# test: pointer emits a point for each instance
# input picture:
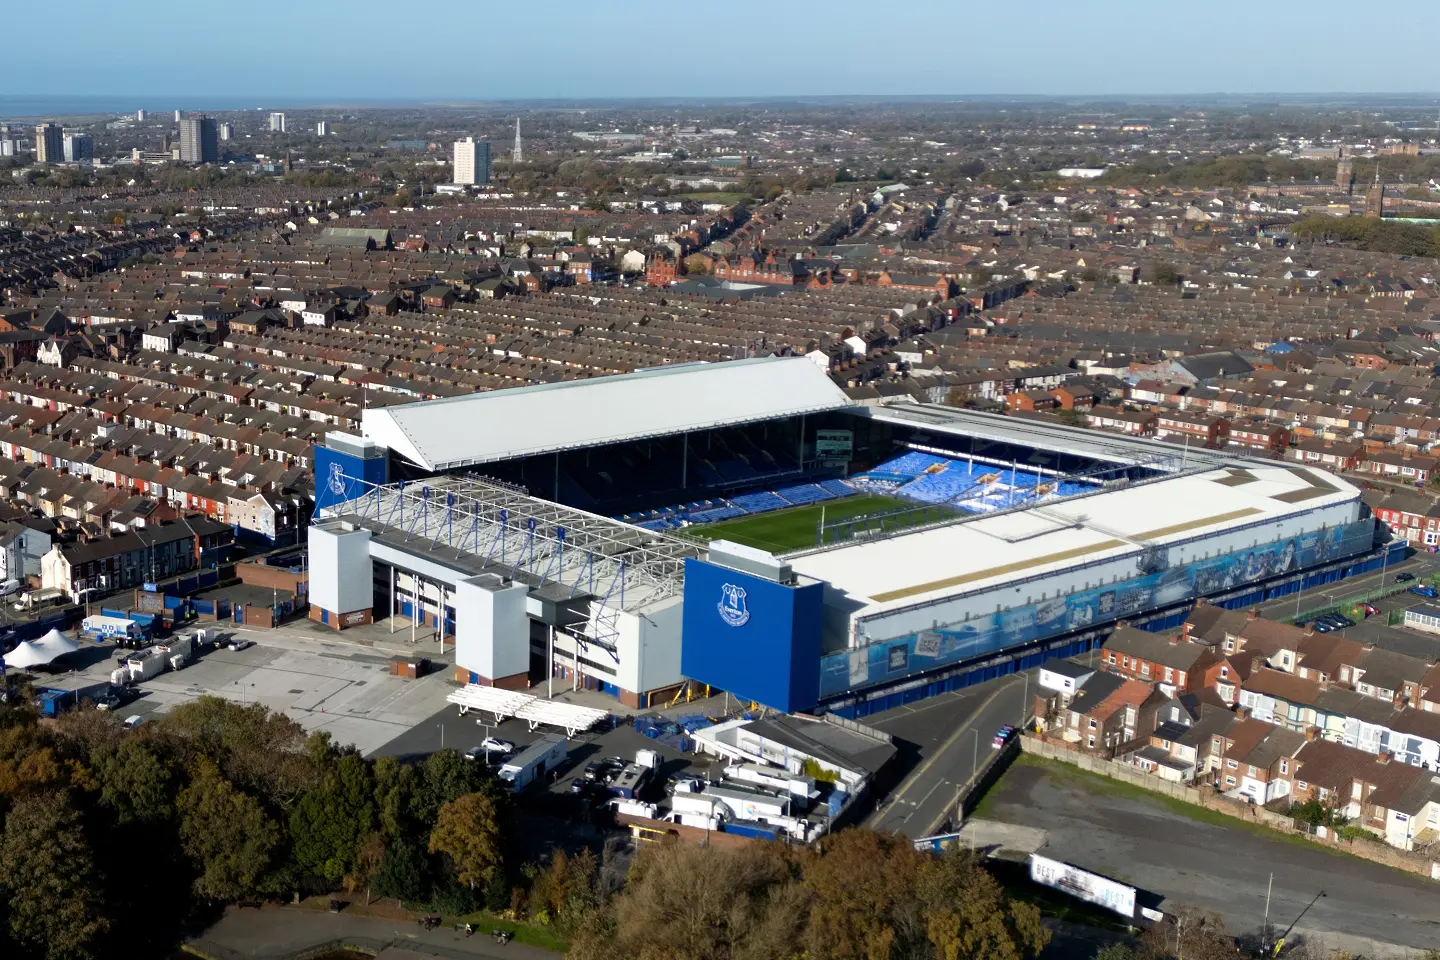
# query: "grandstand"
(745, 526)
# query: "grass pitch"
(797, 528)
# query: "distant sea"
(23, 107)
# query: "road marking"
(949, 742)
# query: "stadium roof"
(972, 556)
(548, 418)
(1057, 438)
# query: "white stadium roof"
(504, 424)
(909, 569)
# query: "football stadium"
(743, 526)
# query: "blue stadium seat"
(759, 502)
(837, 488)
(804, 493)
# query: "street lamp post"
(974, 766)
(1024, 698)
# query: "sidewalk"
(276, 933)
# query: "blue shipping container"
(750, 830)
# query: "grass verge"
(530, 934)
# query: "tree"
(1115, 951)
(134, 781)
(49, 879)
(968, 915)
(565, 889)
(259, 751)
(1191, 935)
(445, 776)
(228, 835)
(702, 902)
(467, 831)
(367, 865)
(862, 885)
(402, 873)
(1164, 273)
(330, 823)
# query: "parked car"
(1404, 577)
(133, 721)
(1002, 735)
(1370, 609)
(1423, 590)
(581, 785)
(496, 745)
(237, 644)
(9, 587)
(1323, 626)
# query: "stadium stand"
(760, 502)
(976, 487)
(804, 493)
(901, 470)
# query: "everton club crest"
(732, 605)
(337, 480)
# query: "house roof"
(1166, 649)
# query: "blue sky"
(300, 50)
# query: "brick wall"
(270, 578)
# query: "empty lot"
(1122, 832)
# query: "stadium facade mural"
(1156, 585)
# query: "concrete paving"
(317, 679)
(1224, 868)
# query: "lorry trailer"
(542, 757)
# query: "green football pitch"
(798, 527)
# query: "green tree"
(258, 751)
(402, 873)
(329, 824)
(446, 775)
(49, 880)
(467, 831)
(135, 782)
(227, 834)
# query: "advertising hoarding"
(1084, 885)
(1156, 585)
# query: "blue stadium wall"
(336, 474)
(857, 703)
(757, 639)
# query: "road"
(1217, 867)
(1420, 565)
(943, 739)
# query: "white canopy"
(35, 653)
(26, 655)
(56, 643)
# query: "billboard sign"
(883, 661)
(1084, 885)
(834, 444)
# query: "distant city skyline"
(1045, 47)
